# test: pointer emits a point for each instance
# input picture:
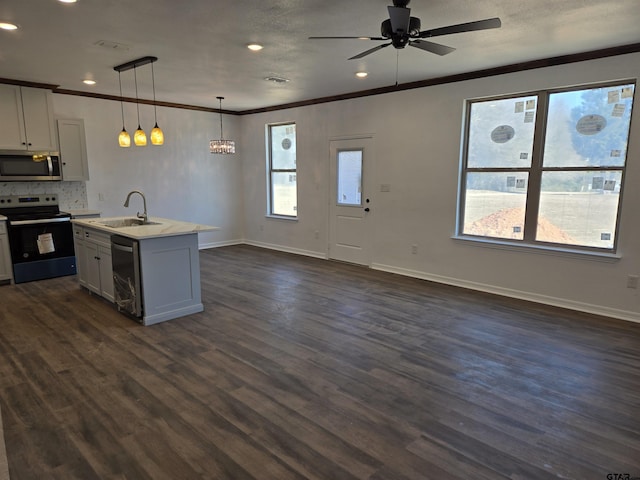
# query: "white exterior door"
(350, 200)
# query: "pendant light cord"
(153, 81)
(135, 78)
(221, 135)
(121, 103)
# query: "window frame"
(271, 171)
(535, 172)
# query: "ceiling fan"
(403, 29)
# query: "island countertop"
(161, 227)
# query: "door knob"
(366, 209)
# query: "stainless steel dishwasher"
(127, 287)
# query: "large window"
(547, 168)
(283, 192)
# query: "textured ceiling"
(201, 44)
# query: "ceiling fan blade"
(371, 50)
(400, 17)
(432, 47)
(352, 38)
(462, 27)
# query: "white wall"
(417, 136)
(180, 179)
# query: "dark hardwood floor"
(304, 368)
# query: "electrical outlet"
(632, 281)
(414, 249)
(101, 197)
(316, 234)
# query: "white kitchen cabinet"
(27, 115)
(93, 255)
(73, 149)
(6, 270)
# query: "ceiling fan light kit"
(402, 29)
(139, 137)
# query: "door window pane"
(495, 204)
(587, 128)
(349, 177)
(579, 208)
(501, 133)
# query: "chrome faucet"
(144, 216)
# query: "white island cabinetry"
(93, 258)
(169, 264)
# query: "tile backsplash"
(71, 195)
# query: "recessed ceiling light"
(254, 47)
(361, 74)
(8, 26)
(88, 81)
(67, 1)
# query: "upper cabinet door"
(38, 119)
(12, 135)
(27, 119)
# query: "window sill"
(282, 217)
(541, 249)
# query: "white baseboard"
(225, 243)
(519, 294)
(297, 251)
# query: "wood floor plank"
(306, 368)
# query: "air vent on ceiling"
(276, 79)
(112, 45)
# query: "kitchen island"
(167, 260)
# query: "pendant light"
(157, 136)
(222, 146)
(124, 139)
(139, 138)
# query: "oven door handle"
(36, 222)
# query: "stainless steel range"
(40, 237)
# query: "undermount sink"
(126, 222)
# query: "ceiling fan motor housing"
(400, 39)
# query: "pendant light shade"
(157, 136)
(222, 146)
(124, 140)
(139, 137)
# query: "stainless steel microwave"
(23, 166)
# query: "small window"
(547, 168)
(283, 191)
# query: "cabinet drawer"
(97, 237)
(3, 227)
(78, 232)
